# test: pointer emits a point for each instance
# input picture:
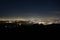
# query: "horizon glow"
(44, 21)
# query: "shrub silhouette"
(13, 27)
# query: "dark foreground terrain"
(13, 27)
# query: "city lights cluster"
(32, 21)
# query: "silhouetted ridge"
(14, 27)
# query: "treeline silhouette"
(13, 27)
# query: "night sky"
(30, 8)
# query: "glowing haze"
(37, 11)
(44, 21)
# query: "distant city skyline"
(44, 21)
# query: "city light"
(44, 21)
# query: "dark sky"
(30, 8)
